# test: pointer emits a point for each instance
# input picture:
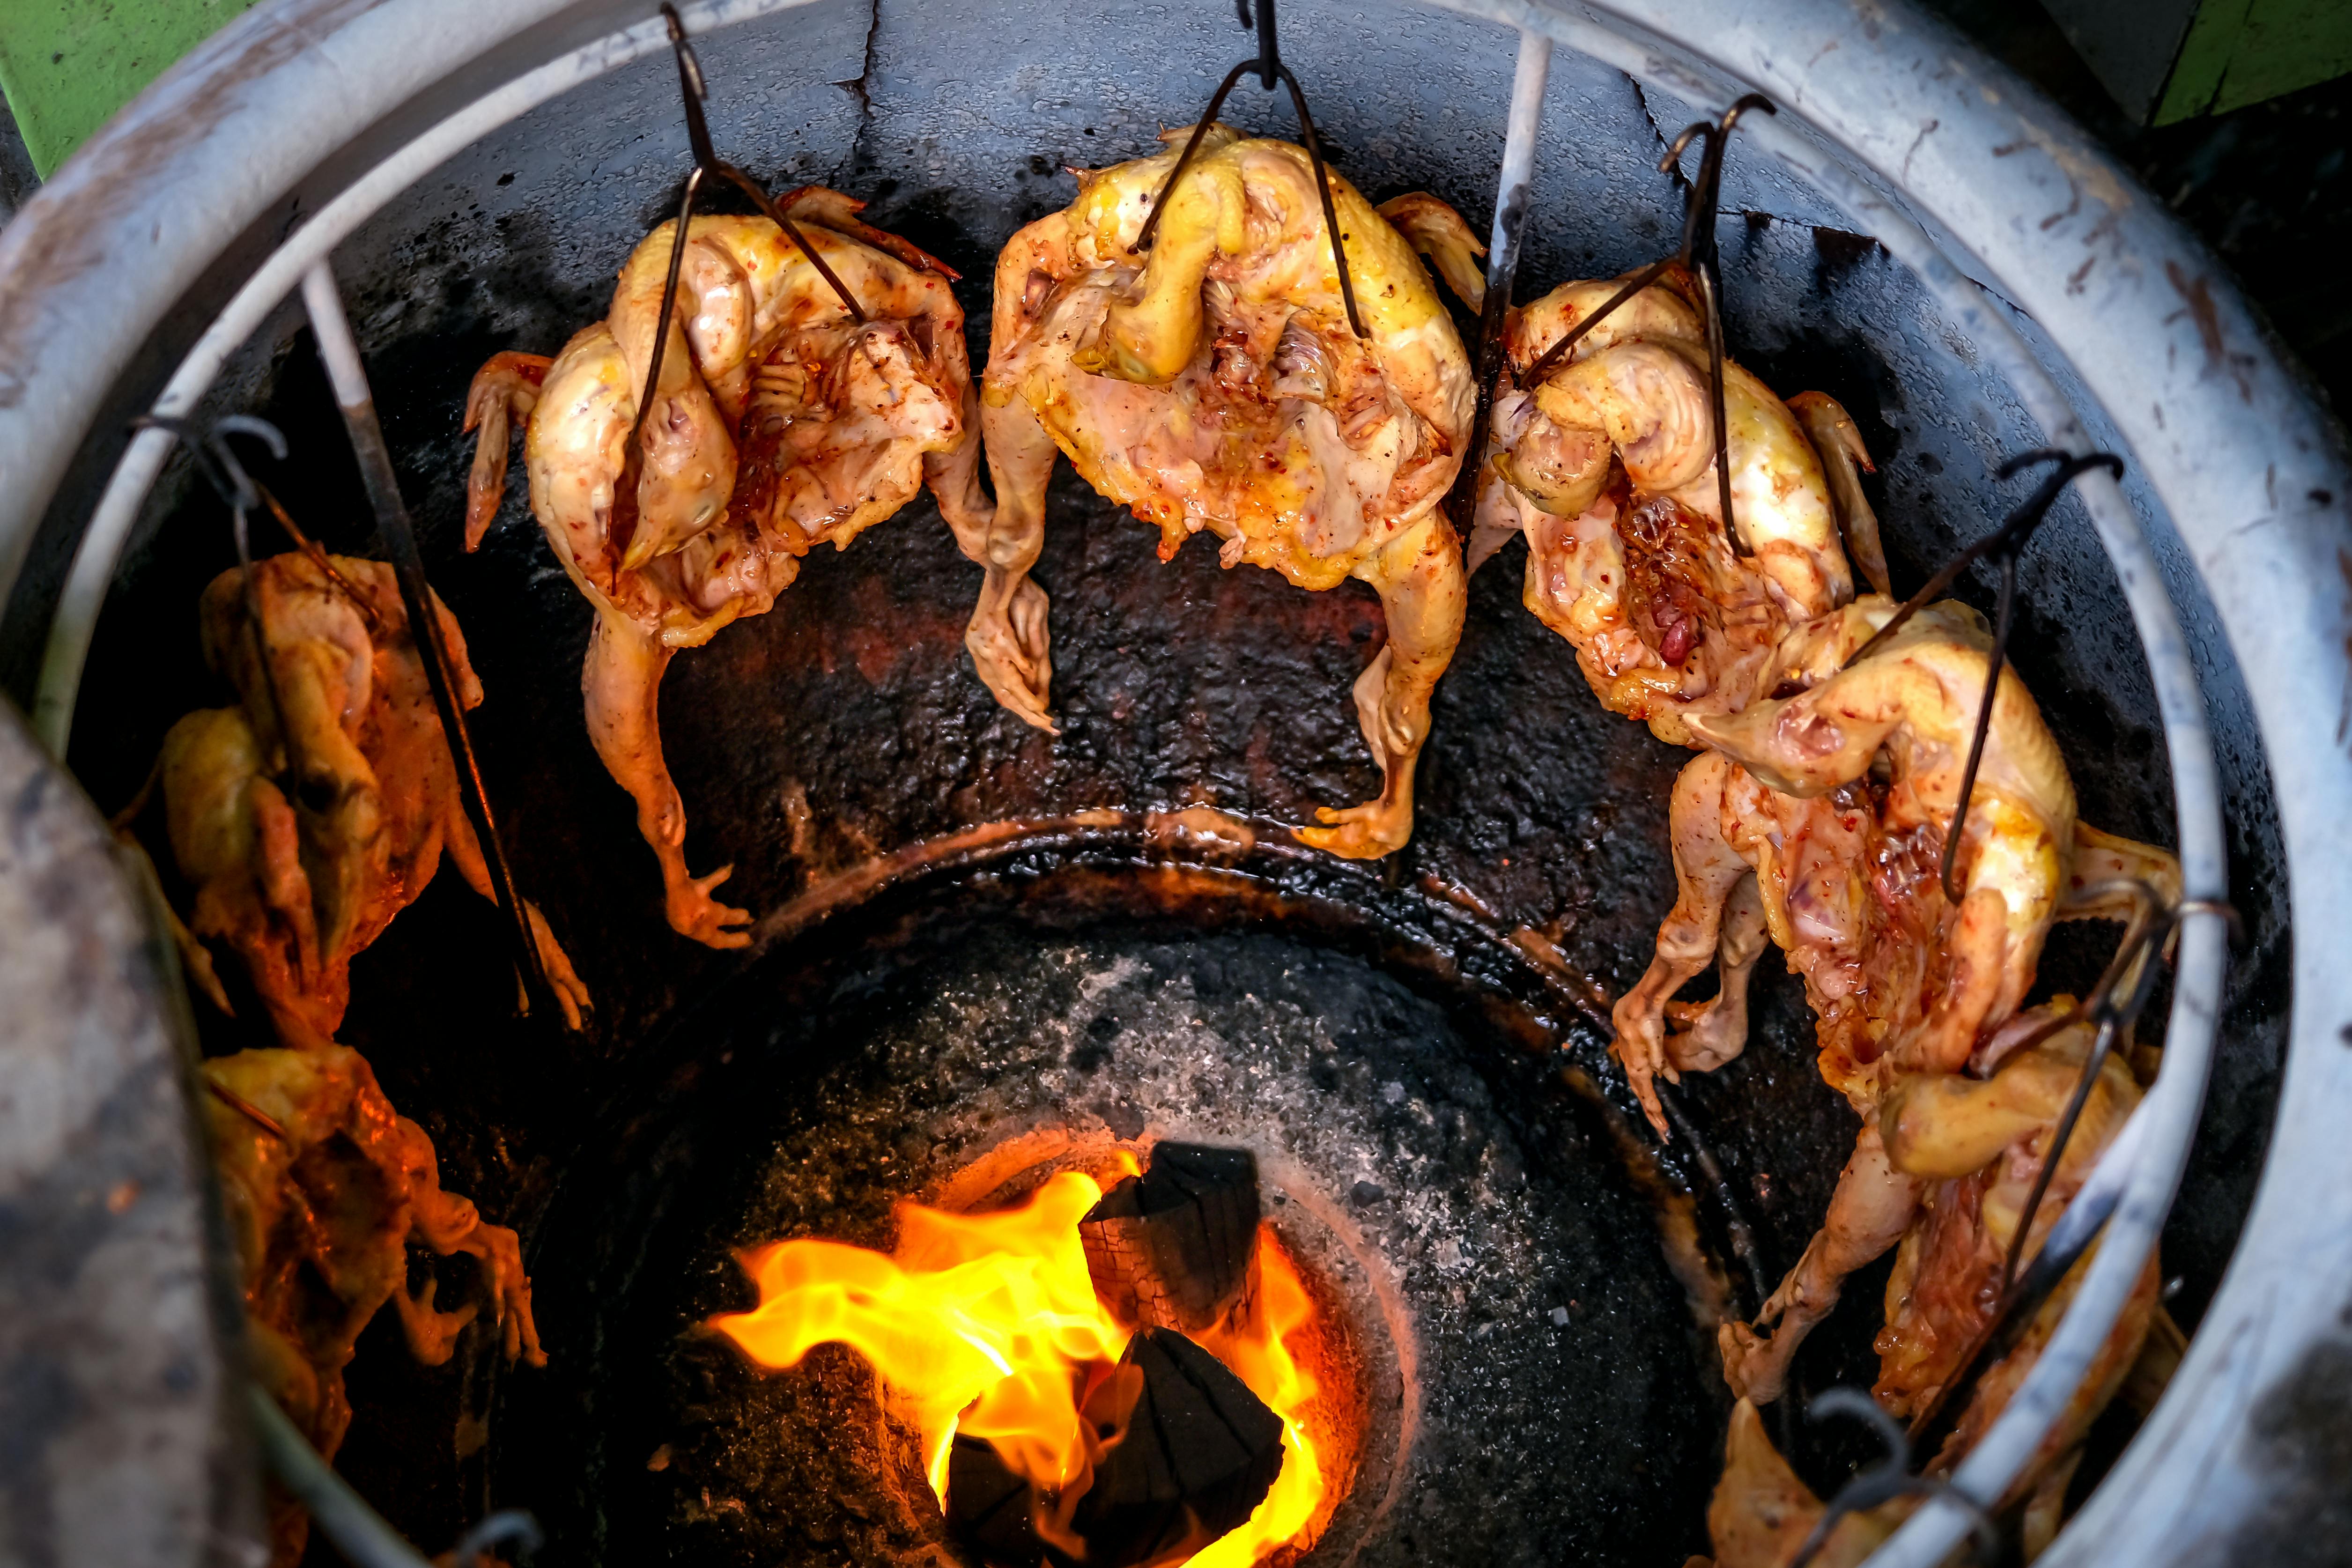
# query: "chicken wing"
(1213, 383)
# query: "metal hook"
(1698, 256)
(692, 91)
(1270, 69)
(1269, 52)
(2150, 927)
(1889, 1478)
(228, 477)
(508, 1525)
(217, 461)
(2004, 544)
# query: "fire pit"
(987, 961)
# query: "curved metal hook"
(1698, 255)
(1271, 70)
(217, 461)
(1889, 1478)
(693, 92)
(248, 489)
(1269, 51)
(511, 1526)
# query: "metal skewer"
(1528, 80)
(2004, 544)
(345, 373)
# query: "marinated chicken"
(1607, 465)
(1974, 1147)
(310, 814)
(1819, 823)
(1763, 1512)
(1213, 383)
(326, 1187)
(779, 424)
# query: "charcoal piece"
(1199, 1454)
(1176, 1247)
(988, 1506)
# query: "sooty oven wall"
(847, 723)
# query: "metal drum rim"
(1893, 118)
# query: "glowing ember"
(989, 1325)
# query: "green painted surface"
(2244, 51)
(2287, 44)
(67, 65)
(2204, 59)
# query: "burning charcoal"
(988, 1506)
(1198, 1453)
(1176, 1247)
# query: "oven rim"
(1871, 93)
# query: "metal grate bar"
(1530, 77)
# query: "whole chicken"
(1213, 383)
(325, 1186)
(779, 424)
(1974, 1146)
(1819, 823)
(1606, 462)
(315, 810)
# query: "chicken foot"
(1424, 595)
(622, 682)
(1008, 637)
(1868, 1214)
(1709, 874)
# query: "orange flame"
(981, 1323)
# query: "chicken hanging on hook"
(1817, 823)
(780, 423)
(1680, 518)
(315, 809)
(1604, 459)
(1214, 383)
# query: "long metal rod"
(358, 1532)
(1530, 77)
(340, 352)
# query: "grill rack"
(2145, 1163)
